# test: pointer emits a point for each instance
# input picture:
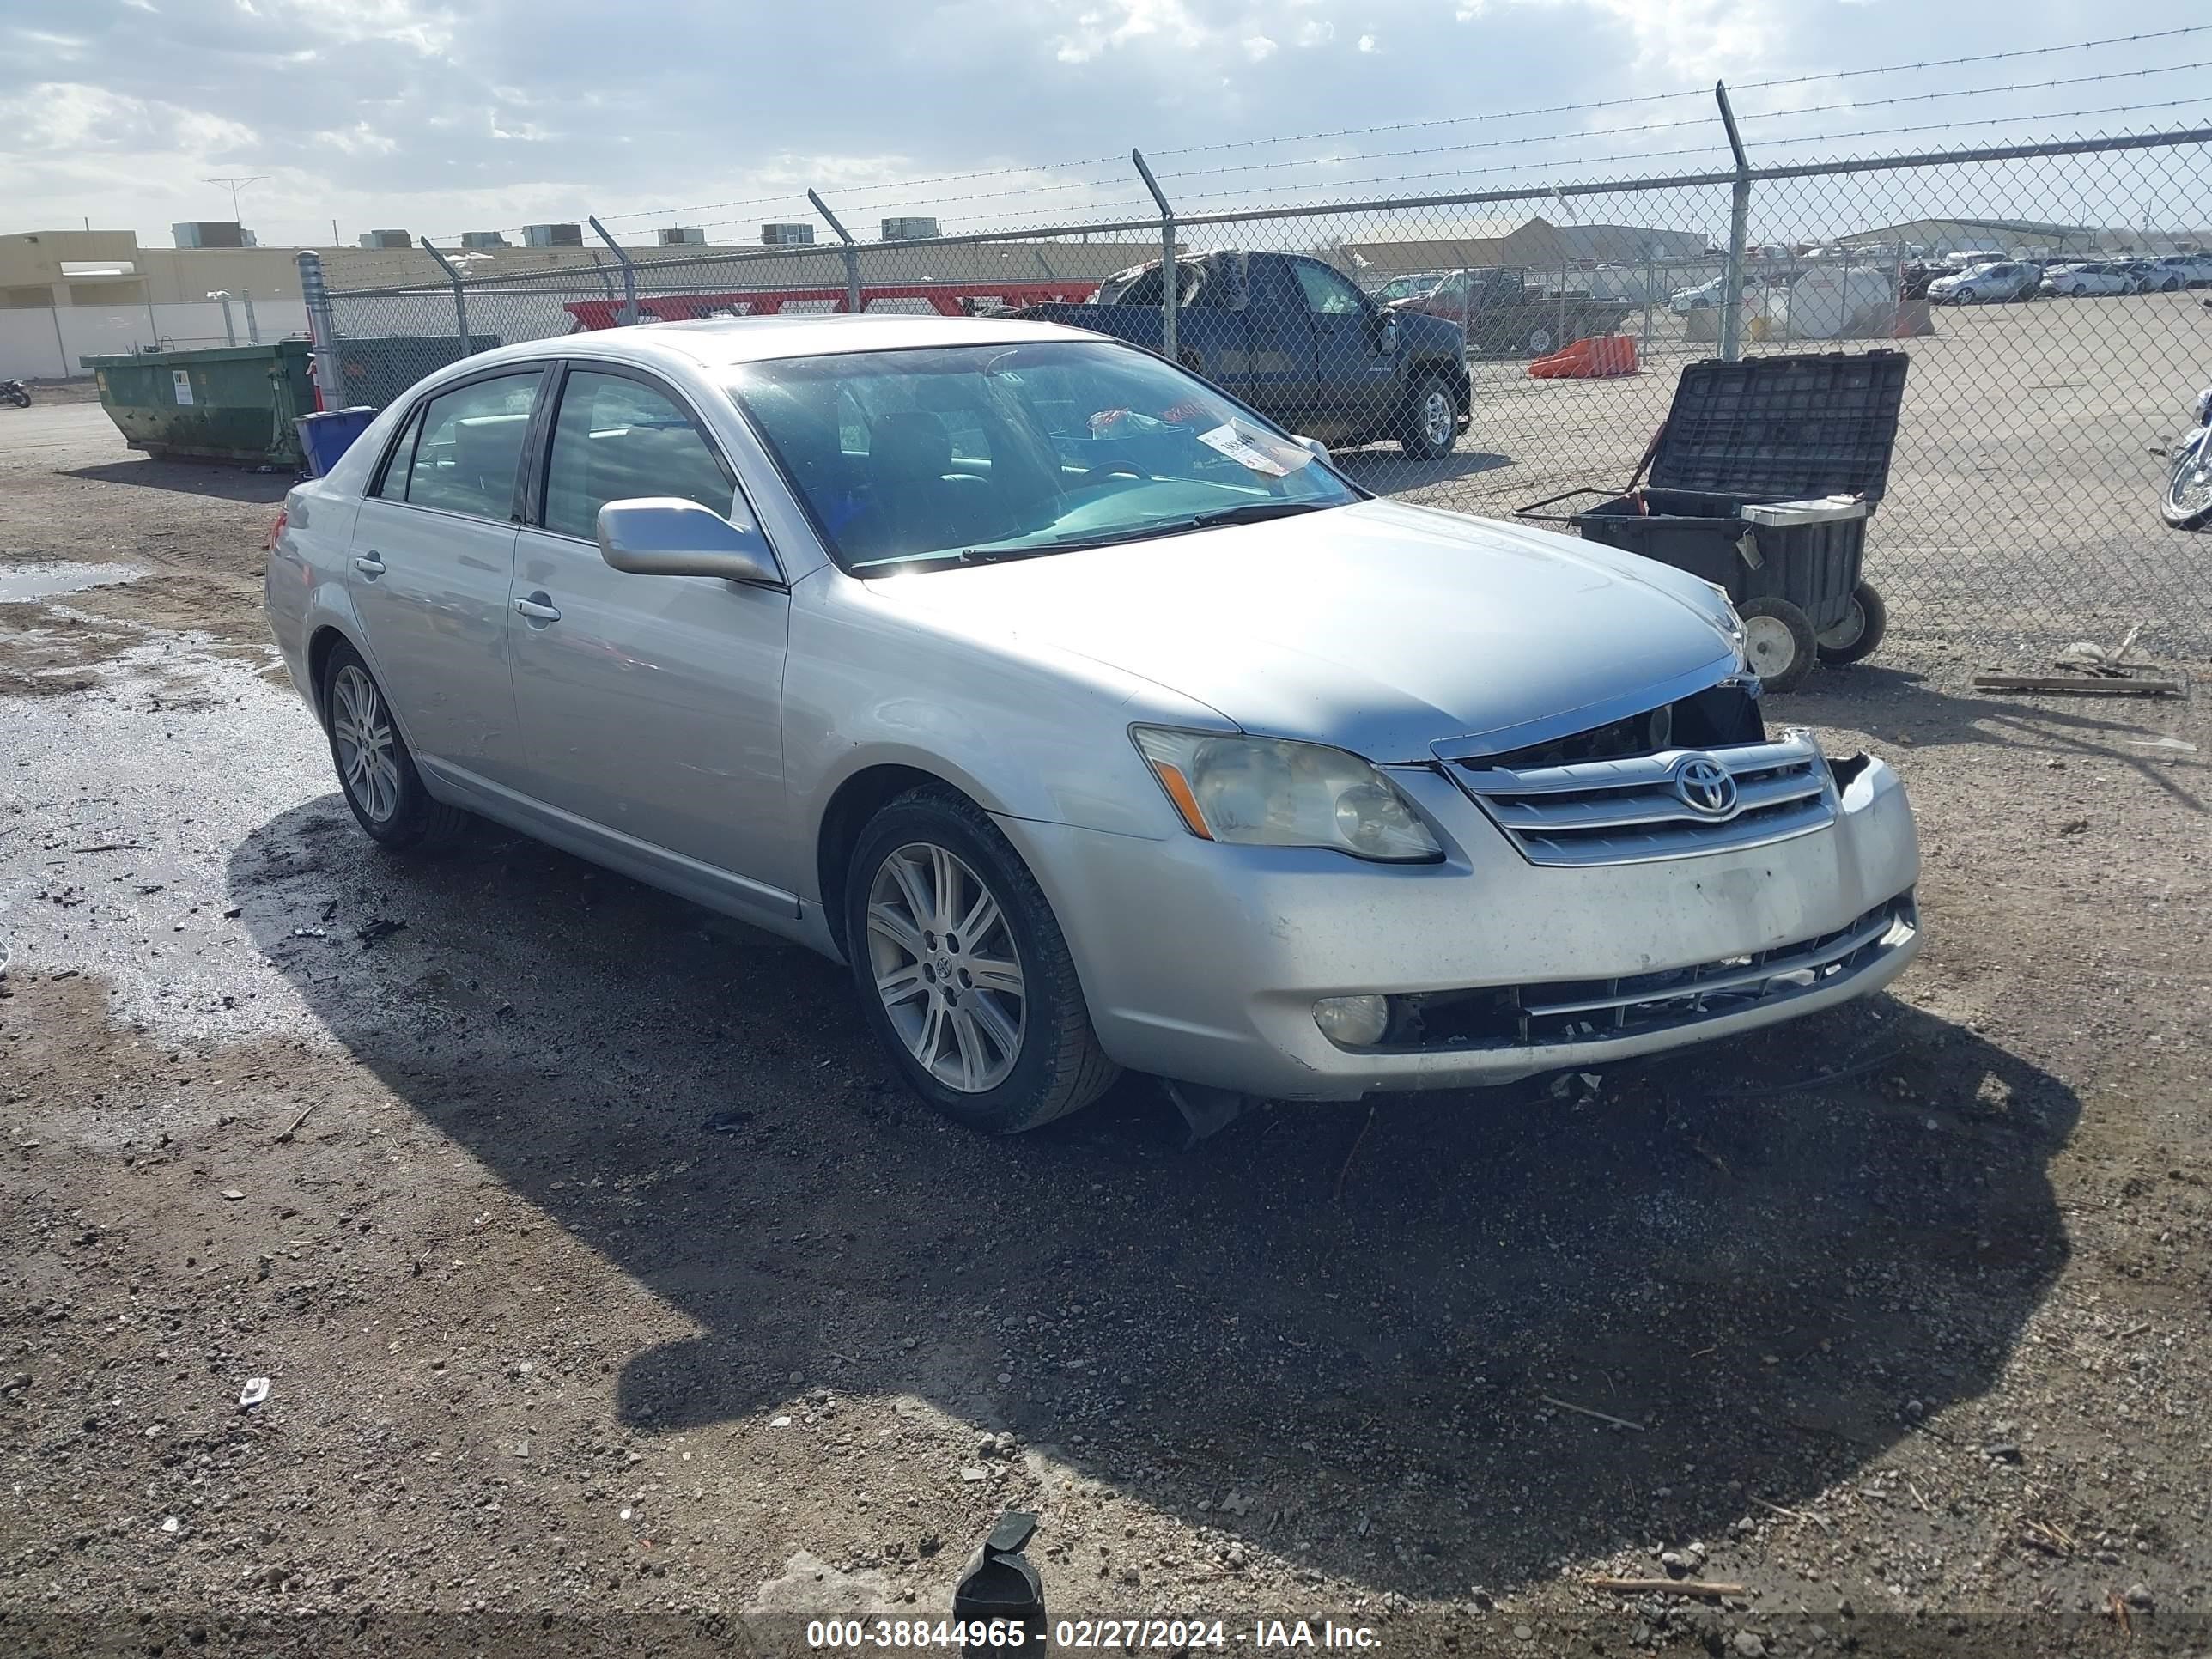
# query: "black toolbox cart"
(1761, 482)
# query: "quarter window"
(402, 466)
(461, 453)
(618, 439)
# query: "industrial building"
(1535, 243)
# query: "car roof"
(725, 341)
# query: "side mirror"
(668, 535)
(1319, 450)
(1387, 336)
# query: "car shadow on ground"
(1892, 705)
(1388, 470)
(223, 480)
(1773, 1258)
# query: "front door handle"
(538, 607)
(370, 564)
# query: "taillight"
(276, 529)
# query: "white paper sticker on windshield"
(1241, 449)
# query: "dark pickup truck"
(1503, 314)
(1297, 341)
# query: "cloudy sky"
(444, 118)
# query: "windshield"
(971, 453)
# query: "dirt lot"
(607, 1288)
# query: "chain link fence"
(2022, 501)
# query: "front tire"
(1431, 421)
(375, 768)
(1780, 642)
(2187, 503)
(1540, 342)
(963, 972)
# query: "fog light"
(1353, 1022)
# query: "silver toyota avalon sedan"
(1091, 719)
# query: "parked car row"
(2002, 280)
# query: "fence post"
(629, 313)
(1651, 280)
(1739, 233)
(229, 334)
(460, 299)
(321, 335)
(252, 328)
(850, 250)
(1171, 278)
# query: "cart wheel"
(1854, 638)
(1777, 638)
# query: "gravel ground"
(612, 1297)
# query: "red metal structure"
(946, 298)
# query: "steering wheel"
(1115, 464)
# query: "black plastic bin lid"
(1783, 429)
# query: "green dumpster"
(226, 404)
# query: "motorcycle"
(16, 392)
(2187, 503)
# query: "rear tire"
(1540, 342)
(1780, 642)
(376, 770)
(1431, 424)
(1854, 639)
(989, 1027)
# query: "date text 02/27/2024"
(1180, 1635)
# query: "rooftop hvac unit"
(480, 238)
(387, 239)
(682, 236)
(206, 233)
(553, 235)
(787, 235)
(909, 230)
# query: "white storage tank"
(1838, 302)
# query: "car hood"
(1380, 627)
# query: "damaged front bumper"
(1203, 962)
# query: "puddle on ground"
(45, 581)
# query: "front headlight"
(1267, 792)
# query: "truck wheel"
(1854, 638)
(1540, 342)
(1778, 639)
(1430, 423)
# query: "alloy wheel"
(1437, 419)
(946, 965)
(362, 732)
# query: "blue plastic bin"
(325, 437)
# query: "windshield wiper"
(1245, 513)
(1258, 512)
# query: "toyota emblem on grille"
(1705, 787)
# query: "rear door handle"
(370, 564)
(539, 607)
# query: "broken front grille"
(1583, 1011)
(1675, 803)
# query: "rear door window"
(466, 449)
